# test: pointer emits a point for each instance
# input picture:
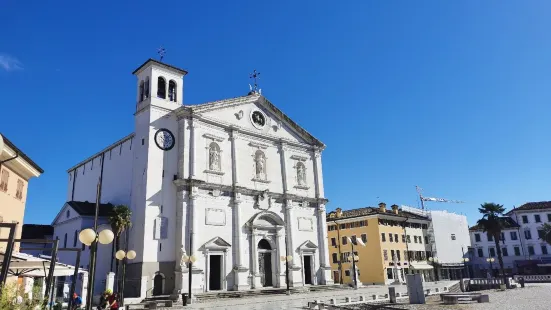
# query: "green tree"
(492, 225)
(120, 220)
(546, 233)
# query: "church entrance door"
(265, 262)
(307, 269)
(215, 272)
(158, 285)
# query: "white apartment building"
(448, 241)
(523, 250)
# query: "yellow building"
(16, 169)
(396, 243)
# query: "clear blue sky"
(452, 96)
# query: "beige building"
(16, 168)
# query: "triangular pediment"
(216, 243)
(308, 246)
(239, 112)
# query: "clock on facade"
(258, 119)
(164, 139)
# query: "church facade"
(235, 184)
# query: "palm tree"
(546, 232)
(492, 225)
(120, 220)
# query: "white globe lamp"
(87, 236)
(120, 255)
(106, 236)
(131, 254)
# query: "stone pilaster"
(323, 246)
(192, 148)
(238, 247)
(235, 162)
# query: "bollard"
(392, 294)
(374, 297)
(184, 299)
(521, 281)
(362, 298)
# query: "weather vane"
(255, 76)
(161, 51)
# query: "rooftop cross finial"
(161, 51)
(255, 76)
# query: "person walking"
(114, 302)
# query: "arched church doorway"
(158, 284)
(265, 262)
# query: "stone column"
(234, 160)
(323, 246)
(182, 124)
(179, 244)
(318, 175)
(280, 242)
(240, 271)
(192, 148)
(283, 163)
(254, 253)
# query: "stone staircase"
(205, 297)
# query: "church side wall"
(117, 173)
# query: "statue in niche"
(214, 158)
(260, 166)
(301, 174)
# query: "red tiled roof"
(540, 205)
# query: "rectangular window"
(525, 219)
(504, 251)
(342, 226)
(531, 250)
(408, 239)
(347, 273)
(492, 252)
(514, 235)
(392, 254)
(540, 234)
(426, 239)
(396, 238)
(335, 258)
(544, 249)
(404, 238)
(4, 177)
(344, 241)
(75, 238)
(398, 255)
(527, 234)
(19, 191)
(477, 237)
(549, 217)
(502, 237)
(364, 238)
(490, 237)
(354, 241)
(383, 238)
(517, 251)
(537, 218)
(415, 239)
(453, 236)
(390, 238)
(385, 254)
(333, 242)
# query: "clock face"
(164, 139)
(258, 118)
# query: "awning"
(25, 265)
(420, 266)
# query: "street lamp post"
(287, 259)
(124, 256)
(189, 260)
(90, 237)
(434, 262)
(491, 260)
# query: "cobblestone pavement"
(299, 301)
(532, 297)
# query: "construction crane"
(423, 198)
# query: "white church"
(235, 184)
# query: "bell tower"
(159, 84)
